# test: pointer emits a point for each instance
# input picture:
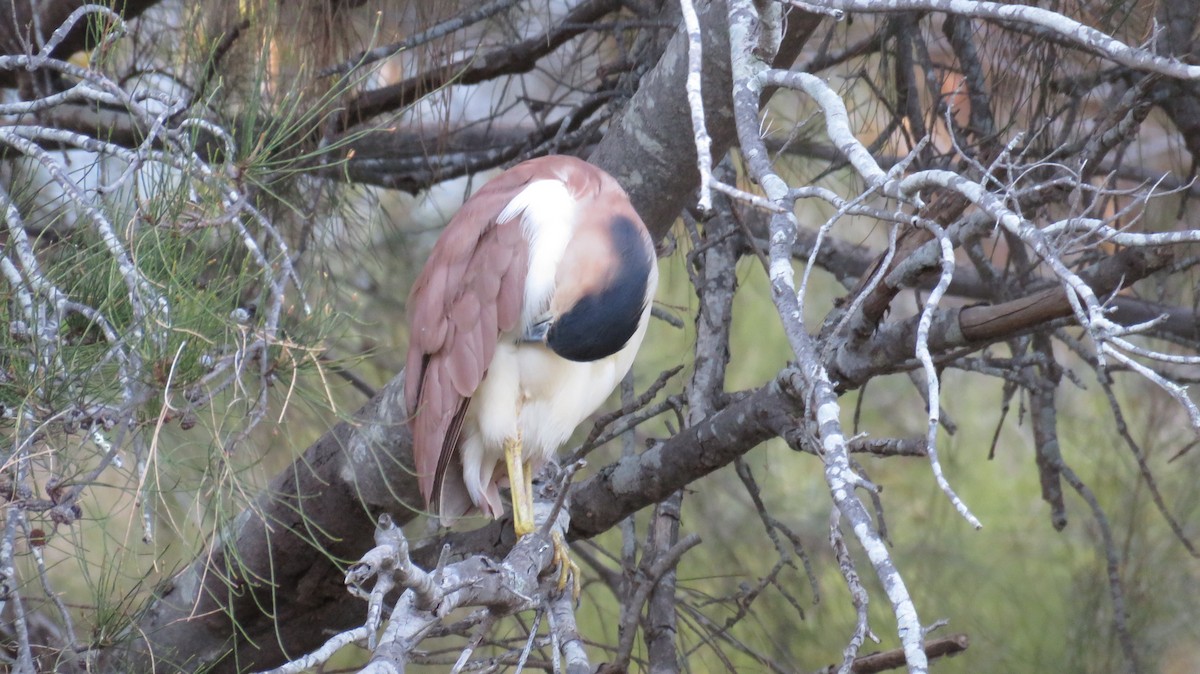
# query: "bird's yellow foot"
(567, 568)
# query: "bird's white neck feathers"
(548, 215)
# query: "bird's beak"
(537, 331)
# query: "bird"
(527, 313)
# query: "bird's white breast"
(559, 394)
(532, 393)
(548, 215)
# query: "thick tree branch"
(214, 609)
(975, 327)
(894, 659)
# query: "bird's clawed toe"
(567, 568)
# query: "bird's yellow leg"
(567, 568)
(520, 484)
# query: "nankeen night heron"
(528, 312)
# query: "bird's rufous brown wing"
(469, 293)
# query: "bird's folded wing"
(468, 294)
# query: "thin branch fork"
(517, 583)
(943, 210)
(442, 29)
(1065, 28)
(514, 58)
